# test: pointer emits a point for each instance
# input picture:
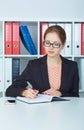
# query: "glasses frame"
(54, 43)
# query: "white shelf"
(34, 25)
(81, 91)
(17, 56)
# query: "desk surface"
(61, 115)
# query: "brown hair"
(59, 30)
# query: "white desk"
(64, 115)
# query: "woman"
(51, 74)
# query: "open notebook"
(41, 98)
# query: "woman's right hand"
(30, 93)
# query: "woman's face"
(53, 44)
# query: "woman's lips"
(51, 51)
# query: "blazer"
(37, 75)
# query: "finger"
(36, 91)
(45, 92)
(31, 95)
(48, 92)
(32, 91)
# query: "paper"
(39, 99)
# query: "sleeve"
(20, 84)
(74, 91)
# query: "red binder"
(8, 38)
(16, 38)
(82, 38)
(43, 27)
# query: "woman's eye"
(55, 44)
(47, 42)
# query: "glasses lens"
(56, 45)
(47, 43)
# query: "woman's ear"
(63, 45)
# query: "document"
(41, 98)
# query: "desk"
(63, 115)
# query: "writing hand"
(30, 93)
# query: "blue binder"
(27, 40)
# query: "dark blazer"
(36, 73)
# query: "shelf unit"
(34, 28)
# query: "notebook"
(41, 98)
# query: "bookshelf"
(25, 56)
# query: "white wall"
(42, 8)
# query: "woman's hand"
(30, 93)
(53, 92)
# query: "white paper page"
(40, 98)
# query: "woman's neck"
(54, 60)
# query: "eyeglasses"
(54, 45)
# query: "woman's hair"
(59, 30)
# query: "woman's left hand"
(53, 92)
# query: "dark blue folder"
(15, 68)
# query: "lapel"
(44, 72)
(64, 73)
